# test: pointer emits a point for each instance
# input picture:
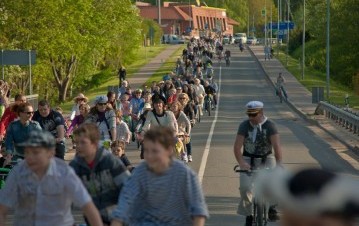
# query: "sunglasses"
(102, 104)
(252, 115)
(28, 112)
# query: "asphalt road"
(304, 145)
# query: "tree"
(70, 36)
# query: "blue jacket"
(17, 133)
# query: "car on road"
(226, 40)
(252, 40)
(240, 38)
(172, 39)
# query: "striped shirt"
(159, 200)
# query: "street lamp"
(328, 41)
(159, 12)
(303, 45)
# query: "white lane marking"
(202, 167)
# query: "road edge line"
(205, 155)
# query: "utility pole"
(265, 24)
(303, 42)
(159, 12)
(286, 58)
(328, 42)
(271, 22)
(248, 23)
(278, 28)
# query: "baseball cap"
(39, 138)
(254, 107)
(101, 99)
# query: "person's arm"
(238, 144)
(74, 122)
(199, 220)
(9, 140)
(277, 148)
(60, 133)
(92, 215)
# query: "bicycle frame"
(260, 214)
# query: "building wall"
(207, 19)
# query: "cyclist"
(312, 197)
(137, 104)
(199, 92)
(280, 84)
(227, 56)
(210, 93)
(258, 136)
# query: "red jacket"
(7, 117)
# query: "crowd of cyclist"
(158, 118)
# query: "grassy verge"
(166, 67)
(139, 60)
(315, 78)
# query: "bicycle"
(208, 104)
(279, 93)
(4, 172)
(228, 61)
(259, 204)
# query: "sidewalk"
(140, 77)
(300, 99)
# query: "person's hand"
(1, 137)
(244, 165)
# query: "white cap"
(254, 106)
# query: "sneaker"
(249, 220)
(190, 158)
(272, 214)
(184, 158)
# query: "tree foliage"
(72, 38)
(344, 35)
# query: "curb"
(302, 114)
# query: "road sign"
(282, 25)
(17, 57)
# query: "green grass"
(314, 78)
(140, 60)
(166, 67)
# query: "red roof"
(167, 13)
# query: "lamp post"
(328, 41)
(286, 58)
(278, 28)
(303, 42)
(265, 24)
(159, 12)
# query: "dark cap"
(39, 138)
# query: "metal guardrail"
(342, 117)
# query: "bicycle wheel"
(260, 215)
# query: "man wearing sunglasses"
(258, 136)
(53, 122)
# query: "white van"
(240, 38)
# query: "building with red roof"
(180, 18)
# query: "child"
(123, 133)
(102, 173)
(41, 189)
(118, 149)
(125, 108)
